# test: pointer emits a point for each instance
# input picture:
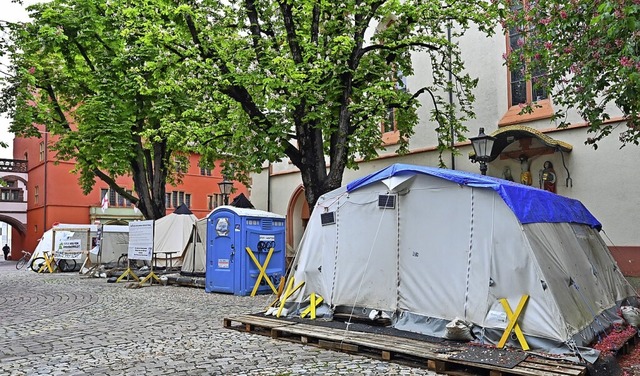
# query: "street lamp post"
(482, 146)
(225, 189)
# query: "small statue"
(506, 173)
(525, 174)
(548, 177)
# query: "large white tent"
(171, 236)
(427, 246)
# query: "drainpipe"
(453, 131)
(44, 188)
(269, 188)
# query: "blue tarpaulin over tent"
(529, 204)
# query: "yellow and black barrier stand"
(263, 271)
(513, 323)
(150, 277)
(127, 273)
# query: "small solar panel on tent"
(387, 201)
(328, 218)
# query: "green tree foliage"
(314, 80)
(243, 81)
(590, 50)
(109, 98)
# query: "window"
(521, 90)
(390, 133)
(187, 200)
(205, 171)
(36, 194)
(11, 195)
(115, 199)
(167, 200)
(175, 199)
(214, 201)
(41, 151)
(181, 165)
(127, 201)
(218, 199)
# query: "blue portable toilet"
(230, 231)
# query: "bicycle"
(26, 256)
(123, 262)
(48, 263)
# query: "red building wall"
(60, 198)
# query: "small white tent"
(171, 235)
(427, 245)
(194, 262)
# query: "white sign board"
(69, 250)
(140, 240)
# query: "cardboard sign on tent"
(427, 246)
(171, 234)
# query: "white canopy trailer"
(115, 240)
(427, 246)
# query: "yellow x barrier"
(48, 263)
(263, 271)
(315, 301)
(287, 293)
(513, 323)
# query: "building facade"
(528, 146)
(53, 195)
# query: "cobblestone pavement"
(67, 324)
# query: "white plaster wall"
(483, 58)
(605, 180)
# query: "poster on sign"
(69, 249)
(140, 240)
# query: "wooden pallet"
(435, 356)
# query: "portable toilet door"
(220, 275)
(265, 238)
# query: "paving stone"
(67, 324)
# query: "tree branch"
(113, 185)
(254, 27)
(56, 105)
(235, 91)
(289, 25)
(397, 47)
(84, 55)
